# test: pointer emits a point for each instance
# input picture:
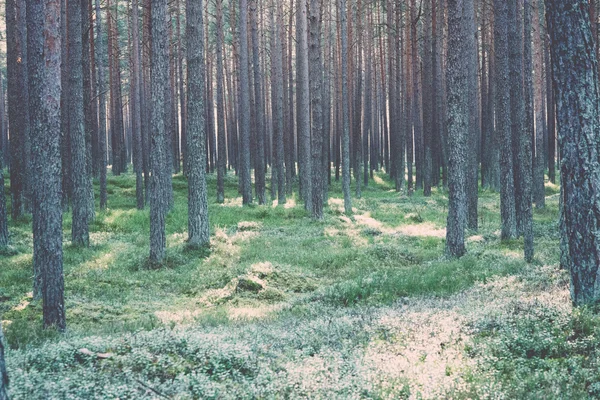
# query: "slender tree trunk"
(259, 169)
(159, 146)
(222, 145)
(198, 227)
(303, 104)
(316, 106)
(44, 43)
(539, 195)
(101, 70)
(503, 121)
(474, 132)
(245, 105)
(346, 111)
(427, 73)
(18, 104)
(277, 103)
(81, 196)
(458, 123)
(136, 100)
(88, 112)
(522, 139)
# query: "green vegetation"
(281, 306)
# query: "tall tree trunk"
(80, 235)
(575, 76)
(474, 133)
(244, 105)
(259, 169)
(346, 111)
(503, 121)
(539, 195)
(278, 103)
(316, 106)
(136, 100)
(18, 104)
(427, 73)
(458, 123)
(303, 104)
(520, 136)
(222, 145)
(88, 112)
(101, 70)
(198, 227)
(528, 137)
(159, 146)
(44, 43)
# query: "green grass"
(337, 270)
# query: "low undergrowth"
(281, 306)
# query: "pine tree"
(316, 106)
(44, 47)
(458, 124)
(345, 109)
(575, 76)
(81, 181)
(101, 72)
(222, 145)
(198, 227)
(159, 148)
(503, 120)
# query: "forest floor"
(282, 306)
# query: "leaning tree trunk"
(198, 228)
(44, 43)
(575, 76)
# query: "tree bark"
(259, 169)
(303, 104)
(80, 235)
(575, 77)
(198, 227)
(503, 121)
(101, 71)
(159, 145)
(458, 124)
(345, 109)
(136, 99)
(244, 105)
(316, 103)
(222, 145)
(44, 43)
